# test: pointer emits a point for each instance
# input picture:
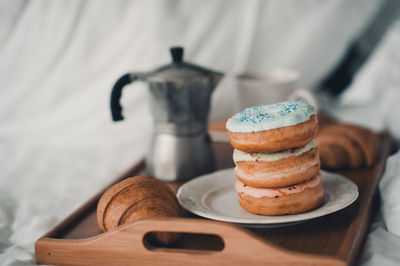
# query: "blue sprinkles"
(260, 113)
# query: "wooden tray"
(334, 239)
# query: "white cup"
(271, 86)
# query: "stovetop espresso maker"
(180, 102)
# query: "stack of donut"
(276, 157)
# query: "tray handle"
(124, 246)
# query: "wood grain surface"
(335, 239)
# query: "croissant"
(138, 198)
(347, 146)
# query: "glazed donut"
(277, 169)
(271, 128)
(280, 201)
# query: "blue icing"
(264, 117)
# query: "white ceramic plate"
(213, 196)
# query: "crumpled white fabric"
(389, 187)
(381, 247)
(59, 60)
(373, 100)
(373, 97)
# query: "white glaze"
(242, 156)
(254, 176)
(265, 117)
(282, 191)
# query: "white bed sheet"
(59, 59)
(373, 100)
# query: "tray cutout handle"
(151, 243)
(124, 246)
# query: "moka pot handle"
(115, 105)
